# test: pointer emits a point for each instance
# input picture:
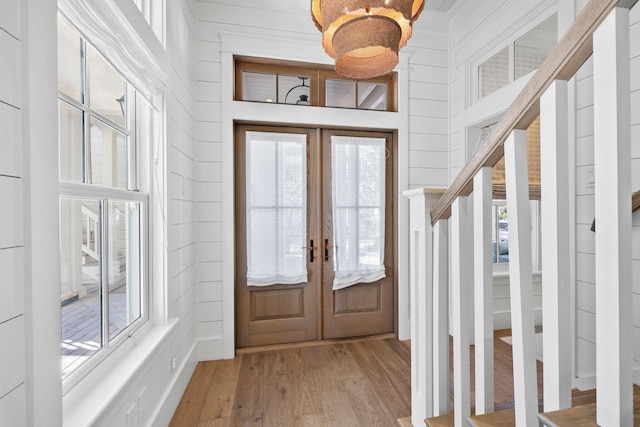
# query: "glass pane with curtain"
(107, 89)
(80, 293)
(124, 265)
(358, 201)
(69, 61)
(532, 48)
(276, 210)
(108, 155)
(340, 93)
(259, 87)
(70, 142)
(372, 96)
(493, 74)
(294, 90)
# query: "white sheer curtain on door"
(358, 201)
(276, 210)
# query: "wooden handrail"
(635, 201)
(573, 49)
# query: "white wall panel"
(10, 140)
(12, 354)
(10, 76)
(11, 214)
(13, 407)
(13, 284)
(10, 17)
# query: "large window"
(103, 209)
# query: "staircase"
(443, 223)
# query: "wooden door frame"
(237, 125)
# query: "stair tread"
(583, 415)
(441, 421)
(506, 418)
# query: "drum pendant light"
(364, 36)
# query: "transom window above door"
(295, 83)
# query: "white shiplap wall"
(282, 23)
(585, 239)
(13, 399)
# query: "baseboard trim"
(171, 398)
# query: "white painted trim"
(213, 349)
(483, 291)
(521, 280)
(421, 296)
(554, 205)
(462, 304)
(612, 154)
(441, 317)
(254, 112)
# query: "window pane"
(69, 61)
(124, 265)
(372, 96)
(276, 208)
(70, 142)
(358, 201)
(80, 270)
(107, 89)
(294, 90)
(500, 234)
(258, 87)
(532, 48)
(108, 156)
(493, 73)
(340, 93)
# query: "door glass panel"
(358, 200)
(276, 210)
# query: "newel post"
(421, 301)
(612, 149)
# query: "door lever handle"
(326, 249)
(310, 247)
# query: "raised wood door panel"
(279, 313)
(364, 308)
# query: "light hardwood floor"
(351, 383)
(345, 383)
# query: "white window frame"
(137, 191)
(495, 49)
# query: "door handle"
(310, 247)
(326, 249)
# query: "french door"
(314, 234)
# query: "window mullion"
(104, 270)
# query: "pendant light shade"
(364, 36)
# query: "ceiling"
(439, 5)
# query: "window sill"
(84, 403)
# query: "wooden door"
(287, 311)
(309, 309)
(364, 308)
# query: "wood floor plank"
(249, 400)
(369, 410)
(218, 422)
(220, 396)
(191, 403)
(337, 410)
(385, 369)
(281, 371)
